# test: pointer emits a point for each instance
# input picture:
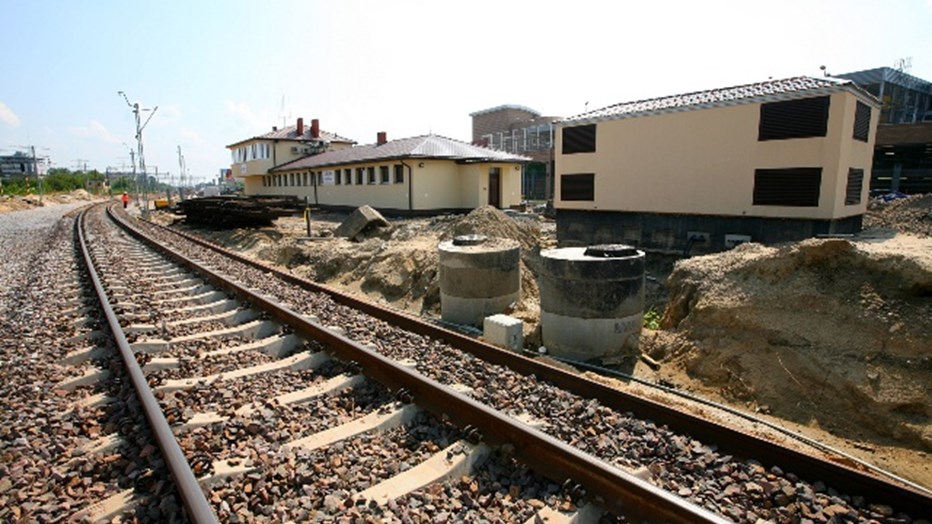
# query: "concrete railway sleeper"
(606, 435)
(261, 407)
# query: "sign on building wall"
(329, 178)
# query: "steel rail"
(613, 488)
(734, 441)
(197, 508)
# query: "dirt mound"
(824, 332)
(906, 215)
(492, 222)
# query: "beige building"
(424, 173)
(256, 155)
(768, 162)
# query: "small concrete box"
(504, 331)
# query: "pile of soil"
(906, 215)
(825, 333)
(9, 203)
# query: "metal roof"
(888, 74)
(291, 133)
(769, 91)
(426, 146)
(504, 107)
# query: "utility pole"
(35, 165)
(180, 175)
(132, 160)
(142, 158)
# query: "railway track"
(273, 398)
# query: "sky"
(220, 72)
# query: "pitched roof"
(291, 133)
(769, 91)
(426, 146)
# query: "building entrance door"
(495, 187)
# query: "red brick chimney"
(300, 126)
(381, 138)
(315, 128)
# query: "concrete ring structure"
(478, 277)
(591, 301)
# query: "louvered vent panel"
(794, 187)
(854, 187)
(577, 187)
(579, 139)
(862, 122)
(794, 119)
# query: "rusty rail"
(196, 506)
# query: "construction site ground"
(830, 338)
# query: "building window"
(579, 139)
(862, 122)
(794, 187)
(360, 176)
(399, 174)
(577, 187)
(348, 176)
(383, 175)
(320, 178)
(794, 119)
(337, 177)
(855, 185)
(371, 172)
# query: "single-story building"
(256, 155)
(767, 162)
(419, 174)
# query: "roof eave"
(288, 139)
(462, 160)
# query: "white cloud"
(7, 116)
(168, 113)
(255, 120)
(190, 135)
(95, 130)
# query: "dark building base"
(689, 234)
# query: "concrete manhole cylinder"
(591, 300)
(479, 276)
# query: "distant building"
(521, 131)
(419, 174)
(766, 162)
(903, 150)
(255, 156)
(18, 164)
(905, 98)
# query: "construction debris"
(361, 220)
(238, 211)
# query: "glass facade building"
(906, 99)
